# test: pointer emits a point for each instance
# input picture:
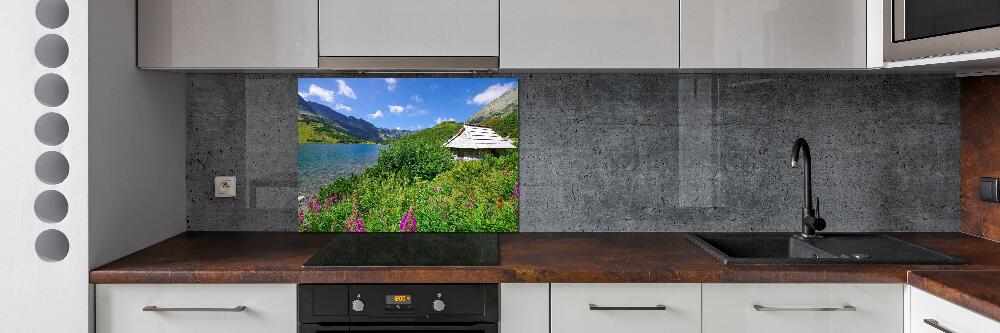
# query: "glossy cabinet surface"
(270, 308)
(626, 307)
(927, 309)
(524, 308)
(589, 34)
(802, 308)
(773, 34)
(407, 28)
(227, 33)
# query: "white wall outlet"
(225, 187)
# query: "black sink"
(835, 248)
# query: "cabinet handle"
(657, 307)
(154, 308)
(759, 307)
(935, 324)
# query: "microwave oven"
(915, 29)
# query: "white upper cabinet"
(778, 33)
(409, 28)
(623, 34)
(227, 33)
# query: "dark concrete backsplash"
(640, 152)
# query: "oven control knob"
(438, 305)
(358, 305)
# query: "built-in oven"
(388, 308)
(928, 28)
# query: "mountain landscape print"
(408, 155)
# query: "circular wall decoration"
(52, 167)
(51, 206)
(51, 90)
(51, 129)
(51, 51)
(52, 13)
(52, 245)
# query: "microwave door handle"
(898, 18)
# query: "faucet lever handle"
(817, 206)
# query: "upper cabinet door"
(227, 33)
(625, 34)
(774, 34)
(409, 28)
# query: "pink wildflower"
(408, 223)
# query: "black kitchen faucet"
(810, 221)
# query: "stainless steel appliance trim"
(658, 307)
(154, 308)
(935, 324)
(957, 43)
(848, 307)
(409, 63)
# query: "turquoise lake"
(321, 164)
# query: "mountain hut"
(474, 142)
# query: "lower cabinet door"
(930, 314)
(802, 308)
(625, 308)
(201, 308)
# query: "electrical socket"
(225, 187)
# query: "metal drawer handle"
(159, 309)
(759, 307)
(935, 324)
(657, 307)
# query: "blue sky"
(405, 103)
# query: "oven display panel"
(399, 302)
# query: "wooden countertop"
(269, 257)
(276, 257)
(974, 290)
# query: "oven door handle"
(485, 328)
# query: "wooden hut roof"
(478, 137)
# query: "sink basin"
(836, 248)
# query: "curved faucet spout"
(807, 188)
(810, 222)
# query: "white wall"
(137, 122)
(38, 295)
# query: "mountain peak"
(496, 108)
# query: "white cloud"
(441, 120)
(344, 90)
(390, 84)
(420, 112)
(491, 93)
(396, 109)
(397, 128)
(342, 108)
(318, 92)
(417, 98)
(410, 107)
(378, 114)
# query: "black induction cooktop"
(409, 249)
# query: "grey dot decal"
(52, 245)
(51, 129)
(51, 206)
(51, 90)
(52, 167)
(52, 13)
(51, 51)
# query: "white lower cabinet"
(802, 308)
(524, 308)
(930, 314)
(625, 308)
(190, 308)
